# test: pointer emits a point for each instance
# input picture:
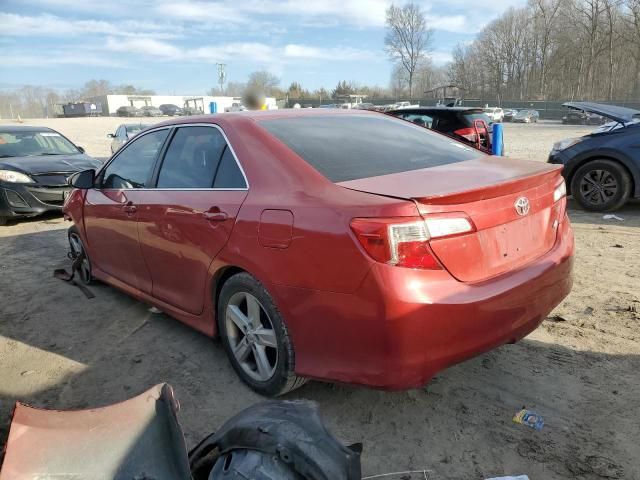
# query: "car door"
(111, 210)
(187, 219)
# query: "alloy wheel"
(598, 187)
(76, 249)
(252, 337)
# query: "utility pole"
(222, 75)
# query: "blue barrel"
(497, 141)
(213, 107)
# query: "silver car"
(123, 134)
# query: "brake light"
(404, 242)
(560, 197)
(560, 191)
(468, 133)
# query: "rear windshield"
(350, 147)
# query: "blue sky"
(172, 46)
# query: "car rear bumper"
(20, 200)
(402, 326)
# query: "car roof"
(257, 115)
(438, 109)
(23, 128)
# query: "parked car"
(526, 116)
(129, 111)
(314, 254)
(602, 169)
(34, 165)
(191, 111)
(509, 113)
(170, 109)
(578, 117)
(236, 107)
(150, 111)
(467, 124)
(123, 134)
(496, 114)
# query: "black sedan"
(128, 111)
(602, 169)
(34, 165)
(578, 117)
(467, 124)
(170, 109)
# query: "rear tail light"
(404, 242)
(560, 191)
(468, 133)
(560, 197)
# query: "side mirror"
(111, 135)
(81, 149)
(83, 180)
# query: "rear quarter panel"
(322, 253)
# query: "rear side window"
(350, 147)
(229, 174)
(192, 158)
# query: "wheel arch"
(635, 177)
(219, 279)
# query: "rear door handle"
(216, 216)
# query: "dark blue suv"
(602, 169)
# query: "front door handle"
(215, 215)
(130, 208)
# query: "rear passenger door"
(188, 217)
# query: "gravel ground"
(579, 369)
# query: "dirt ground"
(579, 370)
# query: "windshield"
(133, 129)
(523, 113)
(350, 147)
(34, 144)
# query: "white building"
(205, 103)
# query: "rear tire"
(601, 185)
(255, 337)
(3, 221)
(77, 246)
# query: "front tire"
(255, 337)
(77, 247)
(601, 185)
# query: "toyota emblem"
(522, 205)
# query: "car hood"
(49, 163)
(619, 114)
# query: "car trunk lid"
(486, 191)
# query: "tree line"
(555, 50)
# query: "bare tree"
(265, 82)
(408, 38)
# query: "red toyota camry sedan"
(335, 245)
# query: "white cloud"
(146, 46)
(306, 52)
(440, 58)
(22, 59)
(253, 52)
(50, 25)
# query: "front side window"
(192, 158)
(132, 166)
